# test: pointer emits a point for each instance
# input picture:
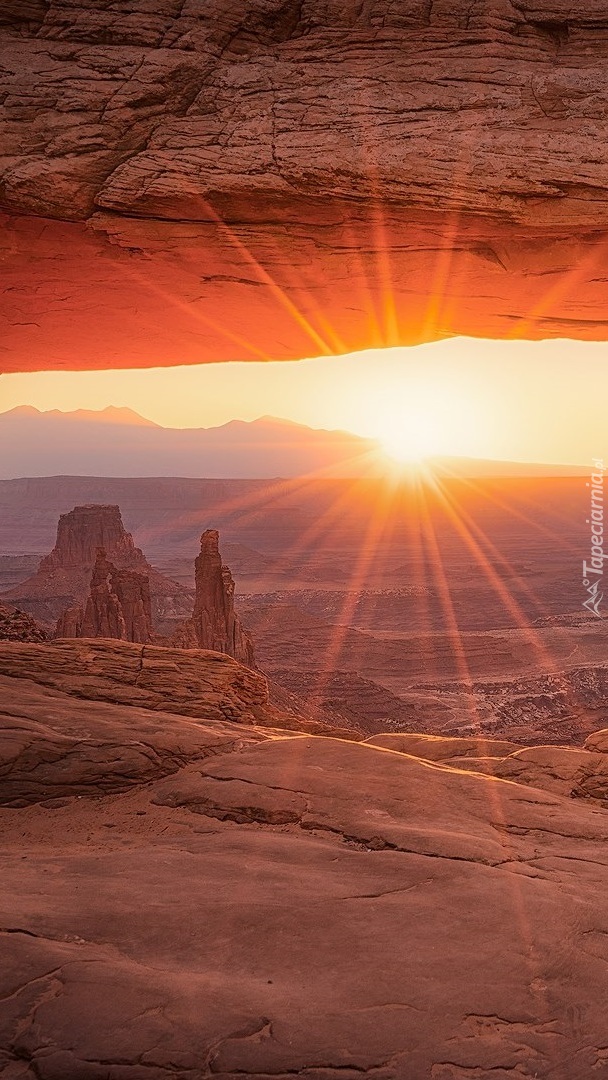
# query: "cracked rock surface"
(229, 900)
(287, 178)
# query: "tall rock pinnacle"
(215, 623)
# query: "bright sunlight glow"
(413, 440)
(424, 420)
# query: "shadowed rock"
(16, 625)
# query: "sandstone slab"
(301, 907)
(443, 748)
(53, 745)
(187, 682)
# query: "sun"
(423, 417)
(410, 439)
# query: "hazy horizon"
(538, 402)
(36, 442)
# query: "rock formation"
(81, 533)
(195, 683)
(69, 623)
(97, 583)
(576, 773)
(16, 625)
(118, 606)
(61, 588)
(214, 624)
(342, 175)
(451, 925)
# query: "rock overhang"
(271, 180)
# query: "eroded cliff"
(118, 606)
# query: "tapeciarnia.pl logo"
(593, 571)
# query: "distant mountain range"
(120, 442)
(117, 442)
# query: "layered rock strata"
(168, 877)
(288, 179)
(80, 534)
(187, 682)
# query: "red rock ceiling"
(188, 181)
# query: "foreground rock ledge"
(266, 180)
(196, 683)
(256, 903)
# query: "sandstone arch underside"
(197, 180)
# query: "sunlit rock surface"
(189, 682)
(195, 896)
(268, 179)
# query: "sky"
(521, 401)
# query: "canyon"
(339, 811)
(115, 601)
(355, 632)
(349, 860)
(272, 179)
